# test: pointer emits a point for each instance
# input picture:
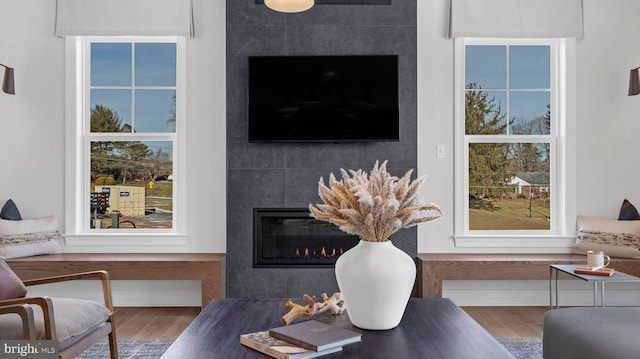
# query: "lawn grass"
(509, 214)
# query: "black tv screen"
(323, 98)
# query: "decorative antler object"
(332, 305)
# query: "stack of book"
(594, 271)
(309, 339)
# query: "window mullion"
(133, 87)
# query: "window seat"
(433, 268)
(209, 268)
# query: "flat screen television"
(323, 98)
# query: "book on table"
(594, 271)
(280, 349)
(315, 335)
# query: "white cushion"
(29, 237)
(615, 238)
(73, 317)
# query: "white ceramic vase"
(375, 280)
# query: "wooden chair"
(75, 323)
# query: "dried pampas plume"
(373, 206)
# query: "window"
(128, 123)
(510, 125)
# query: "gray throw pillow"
(628, 212)
(11, 286)
(10, 211)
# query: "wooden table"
(430, 328)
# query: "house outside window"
(510, 137)
(128, 135)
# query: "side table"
(568, 269)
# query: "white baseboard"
(130, 293)
(161, 293)
(536, 293)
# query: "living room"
(221, 164)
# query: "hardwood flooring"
(152, 322)
(168, 323)
(509, 322)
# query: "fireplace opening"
(290, 237)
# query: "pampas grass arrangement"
(373, 206)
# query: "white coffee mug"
(597, 259)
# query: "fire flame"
(323, 252)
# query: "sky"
(527, 76)
(138, 82)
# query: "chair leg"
(113, 343)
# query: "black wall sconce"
(7, 81)
(634, 82)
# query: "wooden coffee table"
(430, 328)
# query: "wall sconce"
(289, 6)
(634, 82)
(7, 81)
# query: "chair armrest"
(99, 274)
(26, 314)
(47, 311)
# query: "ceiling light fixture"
(634, 82)
(289, 6)
(7, 81)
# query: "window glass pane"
(110, 64)
(155, 64)
(509, 186)
(530, 113)
(132, 180)
(485, 112)
(110, 110)
(529, 67)
(486, 66)
(155, 111)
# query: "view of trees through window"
(132, 133)
(508, 135)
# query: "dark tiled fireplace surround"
(285, 175)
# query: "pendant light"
(289, 6)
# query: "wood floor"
(168, 323)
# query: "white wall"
(607, 130)
(32, 130)
(32, 137)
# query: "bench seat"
(433, 268)
(209, 268)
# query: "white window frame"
(562, 142)
(77, 231)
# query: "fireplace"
(290, 237)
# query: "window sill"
(515, 241)
(125, 239)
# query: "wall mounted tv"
(323, 98)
